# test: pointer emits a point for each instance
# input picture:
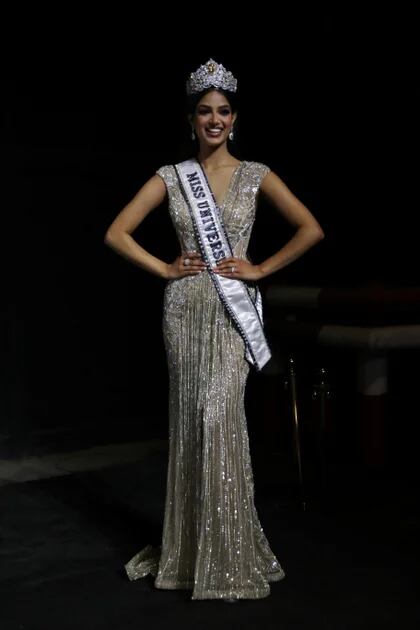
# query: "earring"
(231, 134)
(192, 134)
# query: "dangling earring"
(192, 134)
(231, 134)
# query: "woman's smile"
(213, 118)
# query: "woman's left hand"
(238, 268)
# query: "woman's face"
(213, 119)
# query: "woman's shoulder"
(256, 170)
(167, 173)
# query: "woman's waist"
(205, 280)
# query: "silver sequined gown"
(212, 541)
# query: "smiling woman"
(212, 542)
(212, 115)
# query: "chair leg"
(321, 395)
(290, 384)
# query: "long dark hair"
(189, 147)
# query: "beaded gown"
(212, 540)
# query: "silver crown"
(211, 74)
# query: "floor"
(71, 519)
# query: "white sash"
(215, 246)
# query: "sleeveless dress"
(212, 540)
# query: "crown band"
(211, 74)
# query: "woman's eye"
(205, 112)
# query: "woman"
(212, 541)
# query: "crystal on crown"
(211, 74)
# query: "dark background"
(90, 110)
(91, 105)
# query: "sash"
(245, 311)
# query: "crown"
(211, 74)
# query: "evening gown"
(212, 540)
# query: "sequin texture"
(212, 540)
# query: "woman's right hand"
(178, 269)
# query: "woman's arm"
(118, 235)
(308, 232)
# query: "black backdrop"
(90, 109)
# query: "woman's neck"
(216, 158)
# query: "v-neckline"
(229, 187)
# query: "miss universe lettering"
(207, 222)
